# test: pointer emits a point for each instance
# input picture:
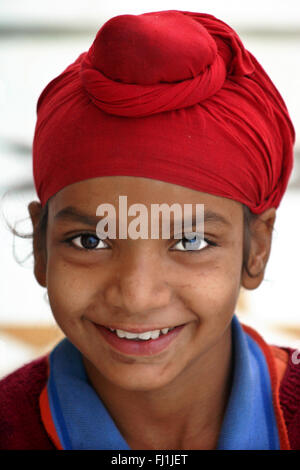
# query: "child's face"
(142, 284)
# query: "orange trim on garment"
(281, 360)
(275, 376)
(47, 416)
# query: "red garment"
(172, 96)
(20, 421)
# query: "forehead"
(87, 195)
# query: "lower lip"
(140, 347)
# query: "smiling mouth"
(139, 343)
(144, 336)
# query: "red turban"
(172, 96)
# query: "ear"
(39, 244)
(260, 247)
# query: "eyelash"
(69, 241)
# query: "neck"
(192, 405)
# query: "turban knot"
(129, 71)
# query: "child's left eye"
(86, 241)
(194, 244)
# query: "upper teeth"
(145, 335)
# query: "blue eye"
(86, 241)
(194, 244)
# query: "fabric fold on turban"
(169, 95)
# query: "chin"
(138, 384)
(139, 377)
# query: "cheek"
(70, 289)
(212, 297)
(213, 291)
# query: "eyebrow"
(72, 214)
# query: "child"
(164, 108)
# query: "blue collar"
(249, 422)
(82, 421)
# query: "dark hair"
(249, 219)
(39, 234)
(41, 230)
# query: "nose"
(139, 285)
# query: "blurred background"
(37, 41)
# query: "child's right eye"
(89, 241)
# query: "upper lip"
(137, 329)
